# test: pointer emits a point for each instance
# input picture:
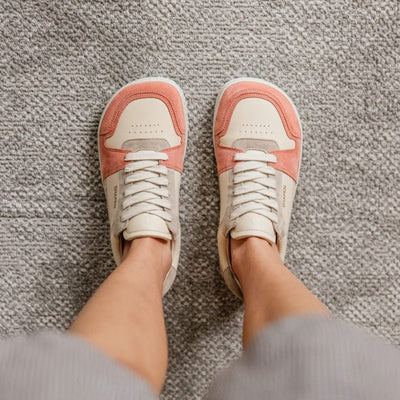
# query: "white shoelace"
(254, 185)
(146, 186)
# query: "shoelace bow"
(146, 186)
(254, 185)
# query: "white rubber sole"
(227, 273)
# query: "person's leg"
(117, 346)
(142, 139)
(270, 290)
(258, 139)
(124, 318)
(293, 347)
(304, 352)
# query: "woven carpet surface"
(60, 63)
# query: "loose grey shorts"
(306, 357)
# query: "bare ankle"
(153, 253)
(246, 254)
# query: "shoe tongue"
(147, 225)
(252, 224)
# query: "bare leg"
(269, 289)
(124, 318)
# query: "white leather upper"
(111, 188)
(256, 118)
(146, 118)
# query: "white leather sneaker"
(142, 141)
(257, 140)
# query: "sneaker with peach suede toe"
(257, 140)
(142, 141)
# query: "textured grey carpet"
(60, 63)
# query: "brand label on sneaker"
(115, 199)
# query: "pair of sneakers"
(142, 141)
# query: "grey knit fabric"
(61, 61)
(51, 366)
(303, 357)
(312, 358)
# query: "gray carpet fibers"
(60, 63)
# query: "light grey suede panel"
(145, 144)
(60, 63)
(255, 144)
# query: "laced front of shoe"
(145, 190)
(254, 197)
(257, 140)
(142, 140)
